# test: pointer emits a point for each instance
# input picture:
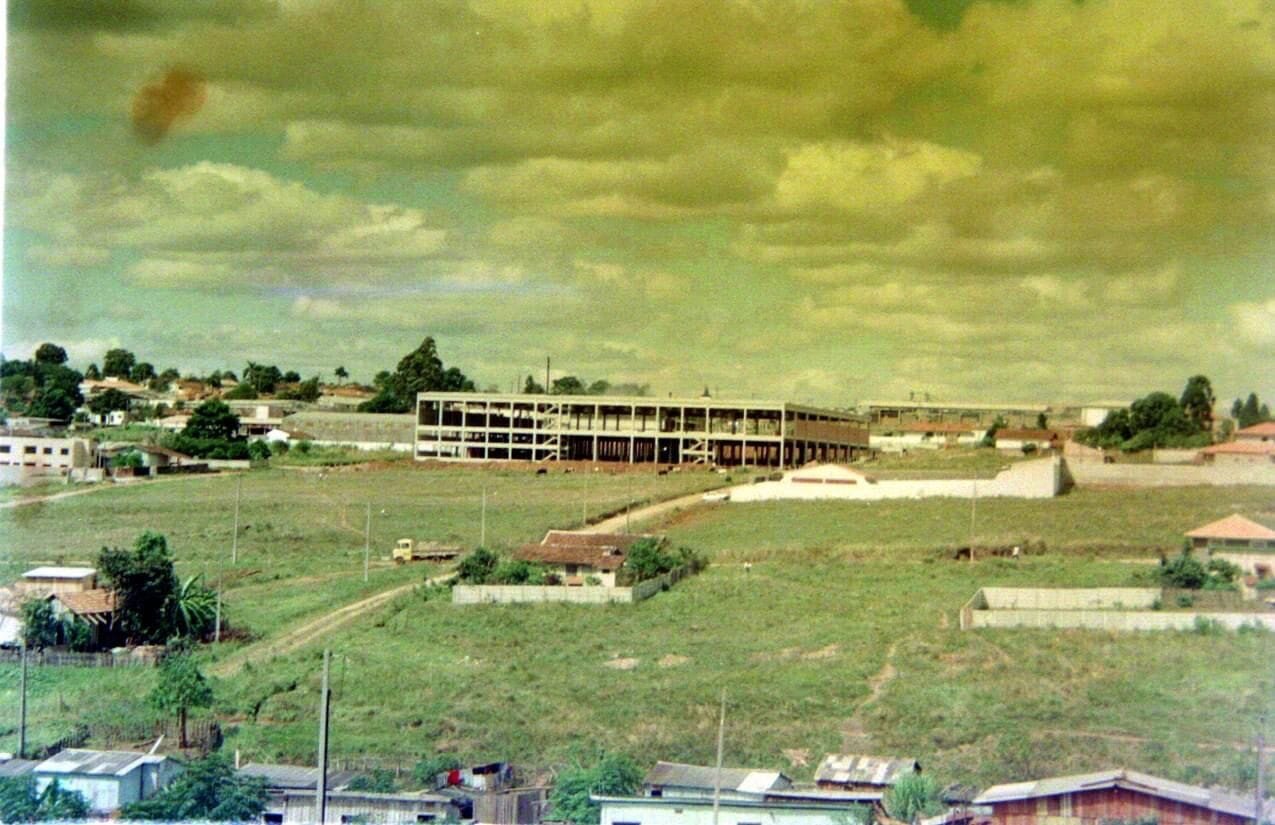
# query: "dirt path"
(99, 487)
(854, 733)
(616, 524)
(315, 629)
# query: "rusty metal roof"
(855, 769)
(604, 551)
(1212, 799)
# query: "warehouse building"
(634, 430)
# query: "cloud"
(1255, 323)
(71, 257)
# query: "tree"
(108, 401)
(989, 438)
(1197, 402)
(530, 387)
(421, 370)
(118, 362)
(21, 802)
(647, 559)
(145, 588)
(262, 378)
(613, 775)
(130, 459)
(93, 373)
(258, 450)
(209, 789)
(212, 419)
(341, 374)
(50, 354)
(241, 392)
(52, 403)
(180, 687)
(1251, 411)
(291, 377)
(196, 607)
(39, 625)
(142, 372)
(567, 385)
(477, 567)
(913, 796)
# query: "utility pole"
(321, 793)
(628, 506)
(217, 620)
(973, 518)
(22, 702)
(367, 540)
(482, 528)
(717, 775)
(1261, 769)
(234, 542)
(546, 375)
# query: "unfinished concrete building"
(634, 430)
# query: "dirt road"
(99, 487)
(616, 524)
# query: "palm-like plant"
(196, 607)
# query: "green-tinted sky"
(821, 201)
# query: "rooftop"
(674, 774)
(1232, 527)
(635, 400)
(88, 604)
(1266, 428)
(16, 767)
(605, 551)
(294, 777)
(853, 769)
(97, 763)
(956, 405)
(1241, 448)
(1215, 800)
(52, 572)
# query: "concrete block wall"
(1041, 478)
(1170, 475)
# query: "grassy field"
(842, 635)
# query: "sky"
(826, 202)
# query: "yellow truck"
(406, 550)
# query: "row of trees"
(1159, 420)
(44, 387)
(571, 385)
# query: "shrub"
(425, 770)
(1266, 584)
(1185, 601)
(380, 780)
(303, 447)
(1184, 570)
(477, 567)
(912, 797)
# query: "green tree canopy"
(613, 775)
(530, 387)
(93, 373)
(21, 802)
(39, 625)
(1250, 411)
(180, 687)
(262, 378)
(212, 419)
(118, 362)
(50, 354)
(421, 370)
(567, 385)
(145, 588)
(108, 401)
(1197, 402)
(142, 372)
(209, 789)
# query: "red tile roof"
(1232, 527)
(603, 551)
(1241, 448)
(1265, 429)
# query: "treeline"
(571, 385)
(1160, 420)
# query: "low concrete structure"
(1111, 796)
(107, 779)
(1103, 608)
(925, 435)
(1041, 478)
(533, 594)
(1222, 474)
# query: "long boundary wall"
(1169, 475)
(1040, 478)
(1089, 609)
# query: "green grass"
(960, 462)
(841, 596)
(335, 456)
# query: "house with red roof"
(1240, 541)
(576, 557)
(1240, 452)
(1258, 433)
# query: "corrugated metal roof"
(16, 767)
(294, 777)
(1215, 800)
(59, 573)
(856, 769)
(97, 763)
(674, 774)
(1233, 527)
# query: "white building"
(107, 779)
(778, 808)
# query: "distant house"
(852, 772)
(26, 454)
(280, 435)
(107, 779)
(44, 581)
(1248, 451)
(574, 557)
(174, 423)
(1090, 799)
(96, 608)
(925, 435)
(1010, 439)
(155, 459)
(1259, 433)
(1240, 541)
(281, 780)
(674, 779)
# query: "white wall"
(1041, 478)
(655, 812)
(1170, 475)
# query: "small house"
(1127, 796)
(576, 557)
(281, 780)
(107, 779)
(43, 581)
(1238, 540)
(852, 772)
(95, 608)
(365, 806)
(1026, 439)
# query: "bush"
(303, 447)
(1266, 584)
(258, 450)
(380, 780)
(912, 797)
(477, 567)
(426, 769)
(1184, 570)
(571, 796)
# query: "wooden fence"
(63, 658)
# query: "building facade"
(633, 430)
(107, 779)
